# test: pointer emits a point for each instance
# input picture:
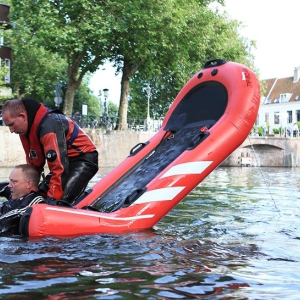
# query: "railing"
(110, 123)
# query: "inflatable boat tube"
(211, 116)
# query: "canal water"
(236, 236)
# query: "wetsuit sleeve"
(4, 190)
(8, 206)
(9, 221)
(54, 144)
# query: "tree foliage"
(209, 35)
(35, 70)
(161, 42)
(73, 30)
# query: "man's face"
(17, 124)
(18, 185)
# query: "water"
(237, 236)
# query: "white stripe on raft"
(99, 215)
(196, 167)
(165, 194)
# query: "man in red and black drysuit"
(71, 156)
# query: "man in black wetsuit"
(21, 191)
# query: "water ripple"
(226, 240)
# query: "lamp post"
(100, 102)
(148, 91)
(58, 97)
(105, 93)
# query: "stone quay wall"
(115, 146)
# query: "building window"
(6, 65)
(276, 117)
(289, 116)
(7, 72)
(297, 115)
(1, 37)
(268, 101)
(267, 117)
(285, 97)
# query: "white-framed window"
(268, 101)
(7, 73)
(6, 65)
(285, 97)
(267, 117)
(1, 37)
(276, 117)
(297, 115)
(289, 116)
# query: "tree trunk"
(122, 115)
(69, 99)
(74, 80)
(128, 72)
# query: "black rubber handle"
(138, 148)
(214, 63)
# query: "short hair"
(30, 172)
(14, 107)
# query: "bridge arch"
(268, 152)
(265, 155)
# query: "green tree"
(162, 42)
(217, 37)
(128, 33)
(34, 69)
(73, 30)
(150, 37)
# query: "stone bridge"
(268, 151)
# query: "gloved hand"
(44, 184)
(4, 190)
(50, 201)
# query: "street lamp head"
(148, 90)
(105, 92)
(58, 97)
(58, 87)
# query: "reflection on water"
(236, 236)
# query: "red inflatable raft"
(211, 116)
